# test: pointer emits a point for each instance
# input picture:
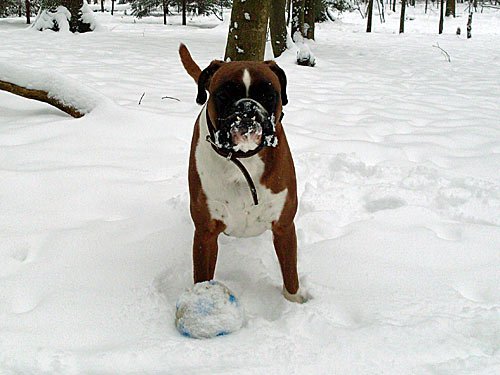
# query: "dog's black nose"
(249, 110)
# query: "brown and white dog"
(241, 173)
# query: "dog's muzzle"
(247, 127)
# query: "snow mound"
(207, 310)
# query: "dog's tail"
(191, 67)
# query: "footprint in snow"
(386, 203)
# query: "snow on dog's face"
(245, 100)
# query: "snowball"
(207, 310)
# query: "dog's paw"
(299, 297)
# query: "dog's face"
(245, 100)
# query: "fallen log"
(40, 95)
(71, 97)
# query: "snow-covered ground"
(397, 152)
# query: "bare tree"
(402, 18)
(309, 18)
(369, 17)
(469, 22)
(441, 18)
(450, 7)
(184, 12)
(28, 11)
(247, 31)
(297, 17)
(277, 26)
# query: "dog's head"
(244, 102)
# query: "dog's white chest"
(228, 195)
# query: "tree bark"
(297, 17)
(288, 11)
(74, 7)
(469, 25)
(184, 12)
(28, 11)
(402, 18)
(246, 39)
(309, 19)
(277, 26)
(441, 18)
(39, 95)
(369, 17)
(450, 8)
(165, 9)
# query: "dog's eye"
(221, 95)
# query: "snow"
(397, 154)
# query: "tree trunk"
(297, 17)
(247, 31)
(102, 6)
(28, 11)
(184, 12)
(394, 6)
(426, 2)
(469, 25)
(441, 18)
(402, 18)
(201, 7)
(165, 9)
(288, 11)
(74, 7)
(450, 8)
(370, 16)
(112, 6)
(277, 26)
(309, 19)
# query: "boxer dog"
(241, 173)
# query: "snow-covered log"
(49, 87)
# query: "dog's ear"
(204, 80)
(280, 73)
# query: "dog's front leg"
(205, 250)
(285, 244)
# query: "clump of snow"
(207, 310)
(65, 90)
(247, 16)
(57, 20)
(88, 17)
(304, 54)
